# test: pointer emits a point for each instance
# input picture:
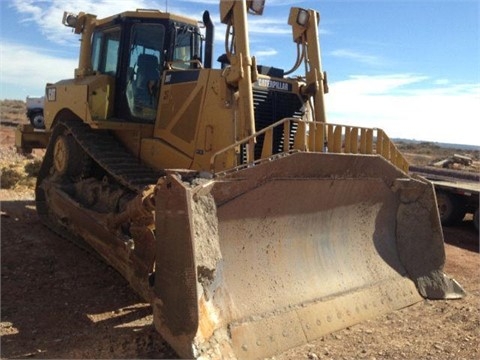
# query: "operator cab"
(136, 51)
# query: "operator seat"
(147, 81)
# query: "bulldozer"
(222, 195)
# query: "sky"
(409, 67)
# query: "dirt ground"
(58, 301)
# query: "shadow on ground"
(463, 235)
(58, 301)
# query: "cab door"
(132, 53)
(144, 66)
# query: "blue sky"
(410, 67)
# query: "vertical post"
(330, 139)
(337, 142)
(348, 133)
(286, 136)
(379, 147)
(354, 140)
(320, 137)
(315, 62)
(369, 141)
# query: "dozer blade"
(276, 255)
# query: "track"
(70, 217)
(115, 159)
(103, 148)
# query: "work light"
(302, 17)
(257, 6)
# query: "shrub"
(10, 176)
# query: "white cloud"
(32, 67)
(268, 25)
(441, 82)
(207, 2)
(268, 2)
(283, 2)
(265, 53)
(364, 84)
(408, 106)
(357, 56)
(47, 15)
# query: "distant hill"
(438, 144)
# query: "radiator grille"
(271, 106)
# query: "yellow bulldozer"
(223, 196)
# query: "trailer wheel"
(450, 207)
(475, 219)
(37, 120)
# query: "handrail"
(320, 137)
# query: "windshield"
(187, 47)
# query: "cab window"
(187, 48)
(105, 51)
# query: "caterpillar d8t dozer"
(222, 195)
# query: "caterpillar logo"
(274, 84)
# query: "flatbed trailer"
(458, 192)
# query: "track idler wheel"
(68, 156)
